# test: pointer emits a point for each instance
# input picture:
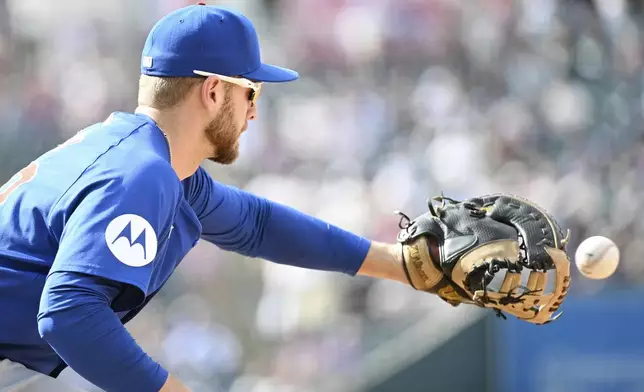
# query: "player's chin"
(226, 157)
(222, 161)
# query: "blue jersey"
(106, 203)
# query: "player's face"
(224, 130)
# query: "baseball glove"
(457, 248)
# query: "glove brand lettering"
(414, 254)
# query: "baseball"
(597, 257)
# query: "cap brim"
(272, 74)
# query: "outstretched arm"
(238, 221)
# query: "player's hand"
(480, 237)
(172, 384)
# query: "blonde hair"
(165, 92)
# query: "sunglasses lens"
(254, 95)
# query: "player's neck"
(185, 151)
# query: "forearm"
(293, 238)
(384, 261)
(257, 227)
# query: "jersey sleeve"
(115, 225)
(238, 221)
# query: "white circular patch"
(132, 240)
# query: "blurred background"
(398, 101)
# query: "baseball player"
(92, 230)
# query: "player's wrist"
(384, 261)
(173, 384)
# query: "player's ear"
(212, 92)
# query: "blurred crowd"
(398, 101)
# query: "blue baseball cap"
(208, 39)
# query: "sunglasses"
(255, 87)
